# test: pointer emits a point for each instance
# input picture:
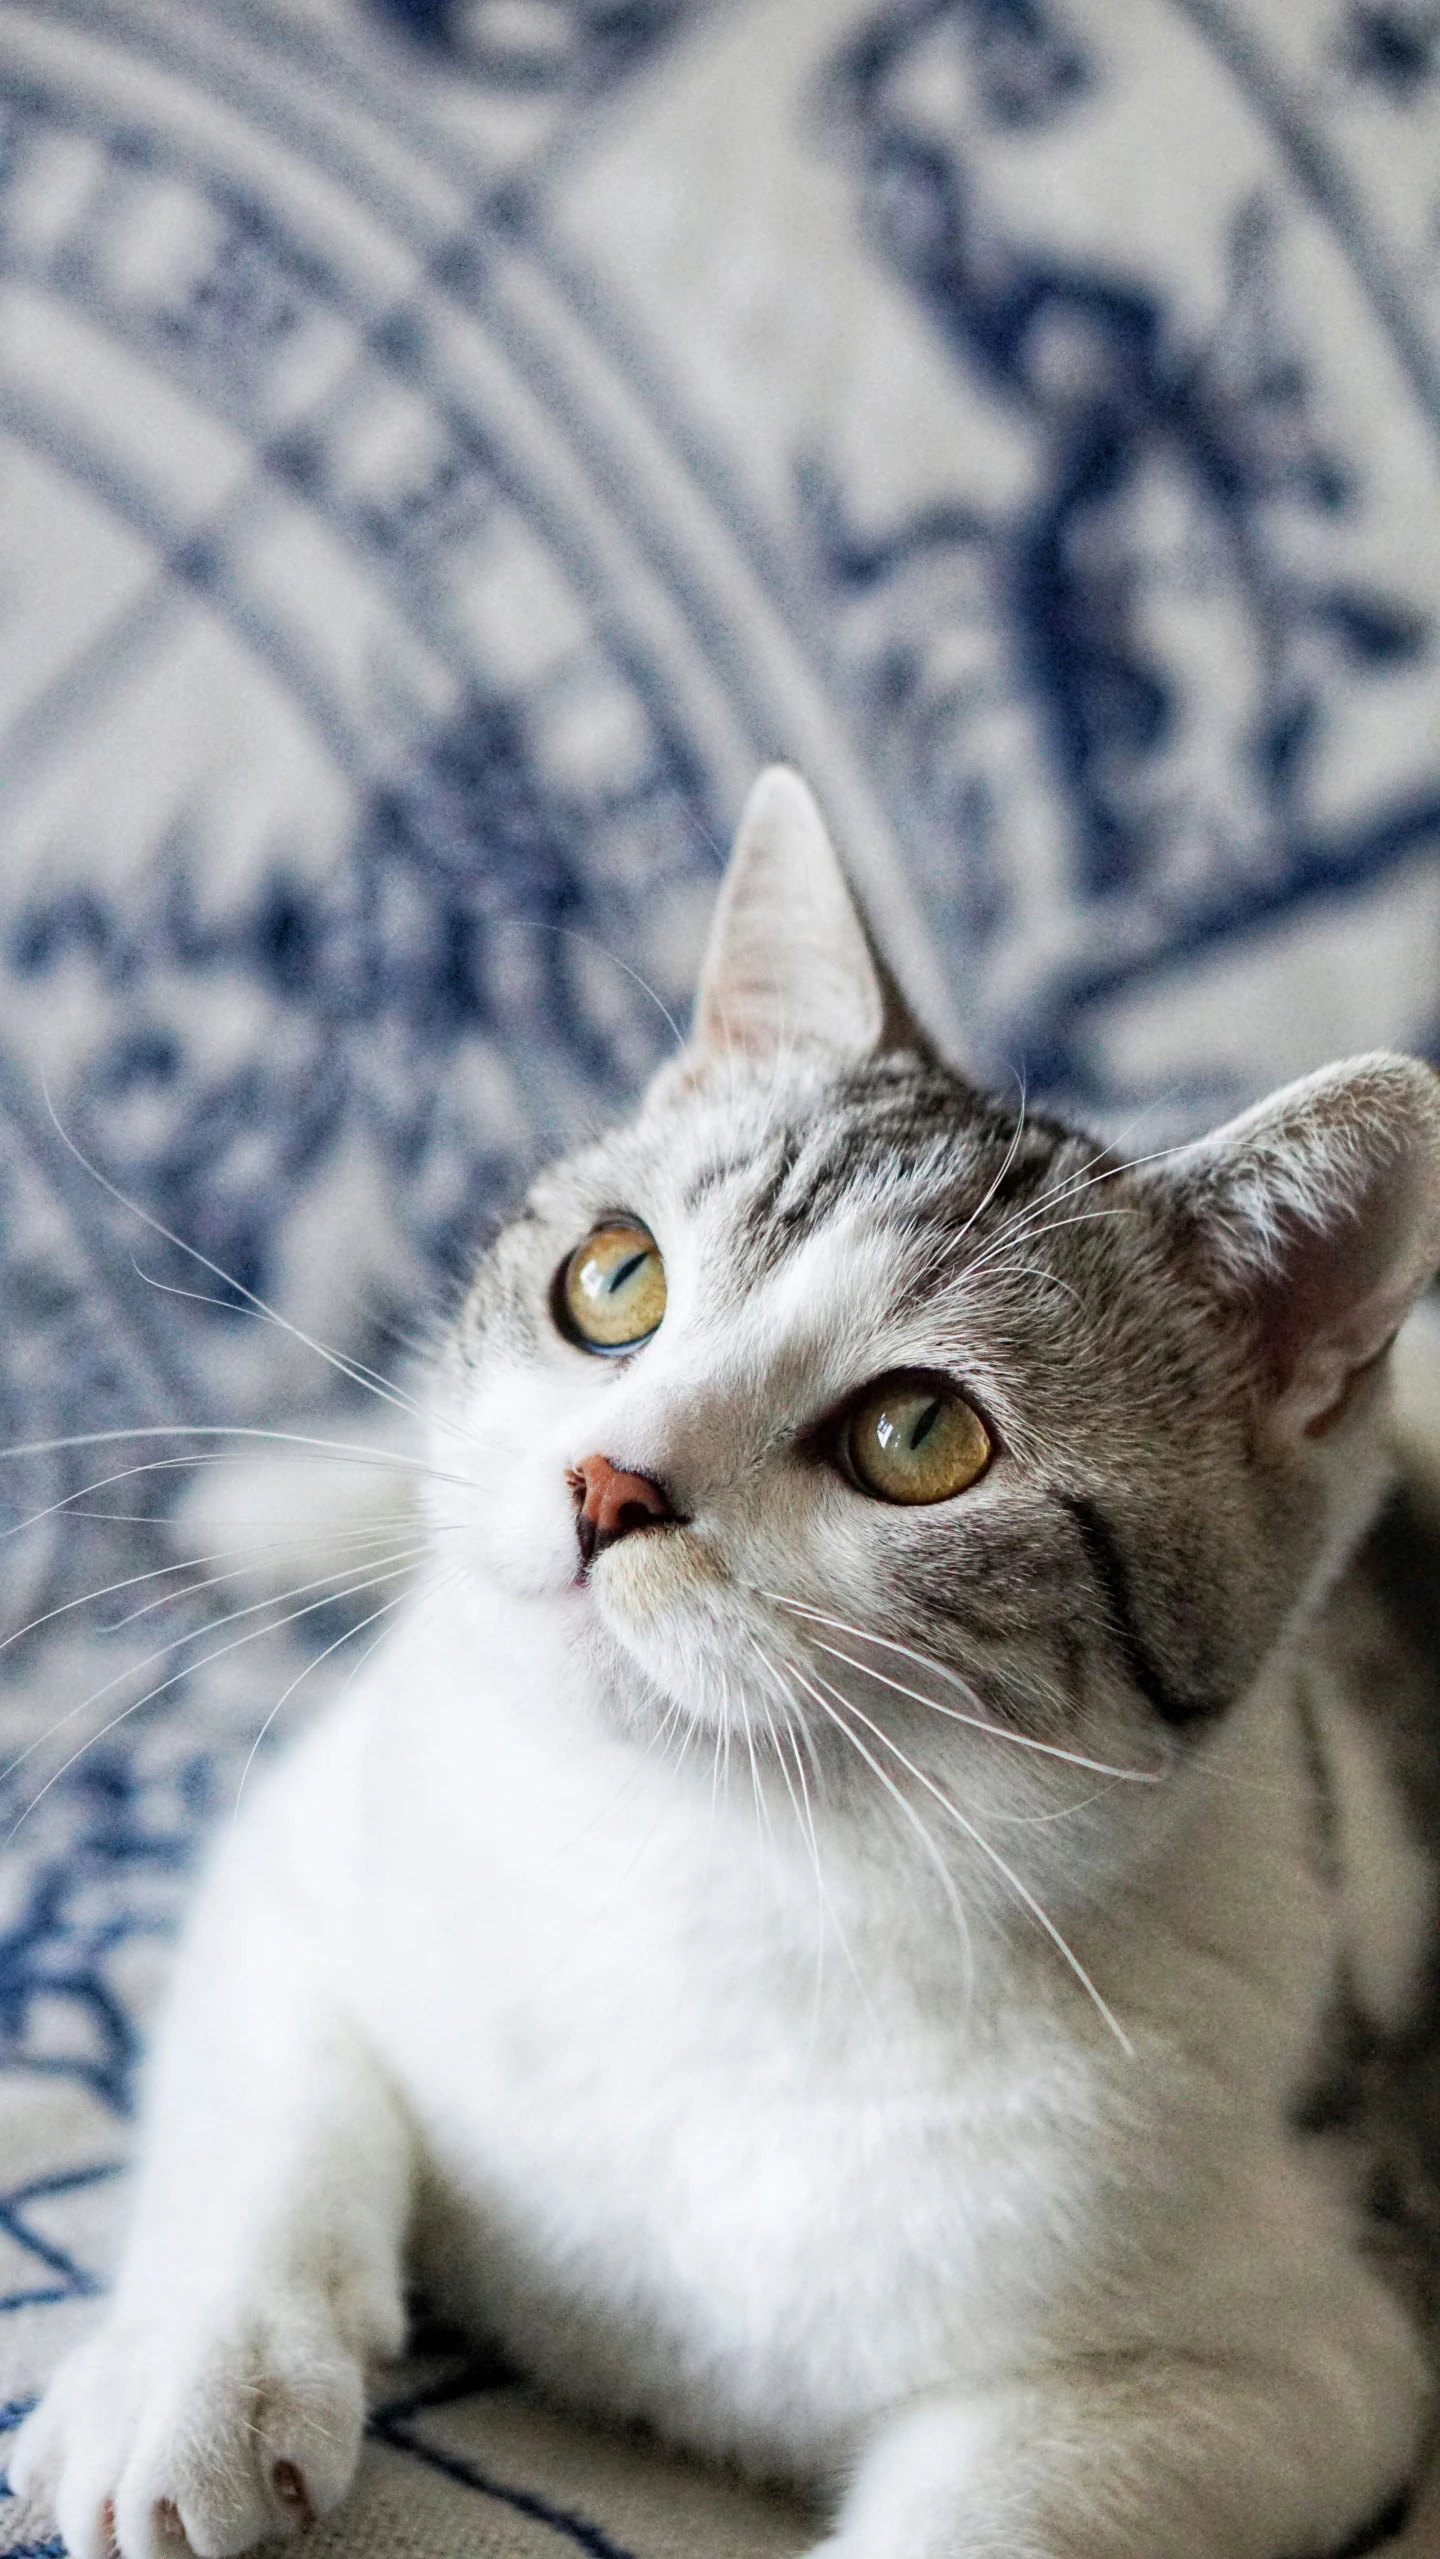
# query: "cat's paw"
(221, 2434)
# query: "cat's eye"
(913, 1439)
(610, 1294)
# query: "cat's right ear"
(1317, 1217)
(789, 964)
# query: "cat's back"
(1368, 1695)
(1370, 1686)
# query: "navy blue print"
(59, 2278)
(405, 611)
(1121, 397)
(403, 2436)
(581, 44)
(1396, 48)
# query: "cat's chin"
(660, 1606)
(641, 1583)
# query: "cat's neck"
(774, 1887)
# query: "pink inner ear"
(1318, 1212)
(788, 963)
(1329, 1312)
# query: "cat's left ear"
(789, 963)
(1317, 1213)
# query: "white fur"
(804, 2179)
(473, 1967)
(770, 2114)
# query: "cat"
(822, 1930)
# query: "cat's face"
(955, 1438)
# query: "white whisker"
(107, 1590)
(1011, 1151)
(994, 1256)
(386, 1609)
(773, 1731)
(592, 941)
(809, 1832)
(998, 1732)
(236, 1572)
(357, 1371)
(979, 1723)
(186, 1671)
(324, 1582)
(228, 1430)
(1024, 1223)
(1016, 1882)
(197, 1430)
(762, 1809)
(947, 1880)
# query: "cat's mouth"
(640, 1578)
(593, 1549)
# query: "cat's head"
(897, 1429)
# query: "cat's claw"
(146, 2444)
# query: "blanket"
(446, 447)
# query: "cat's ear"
(789, 963)
(1318, 1213)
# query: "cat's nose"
(612, 1504)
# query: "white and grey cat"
(821, 1928)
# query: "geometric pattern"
(445, 447)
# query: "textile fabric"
(446, 446)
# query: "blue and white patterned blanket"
(445, 447)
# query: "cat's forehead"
(900, 1144)
(822, 1228)
(755, 1176)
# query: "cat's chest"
(799, 2235)
(662, 2101)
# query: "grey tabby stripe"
(1107, 1567)
(1324, 1816)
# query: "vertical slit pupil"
(625, 1272)
(925, 1425)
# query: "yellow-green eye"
(611, 1292)
(913, 1439)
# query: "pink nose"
(612, 1504)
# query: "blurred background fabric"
(446, 446)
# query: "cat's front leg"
(1150, 2457)
(223, 2395)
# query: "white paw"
(239, 2429)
